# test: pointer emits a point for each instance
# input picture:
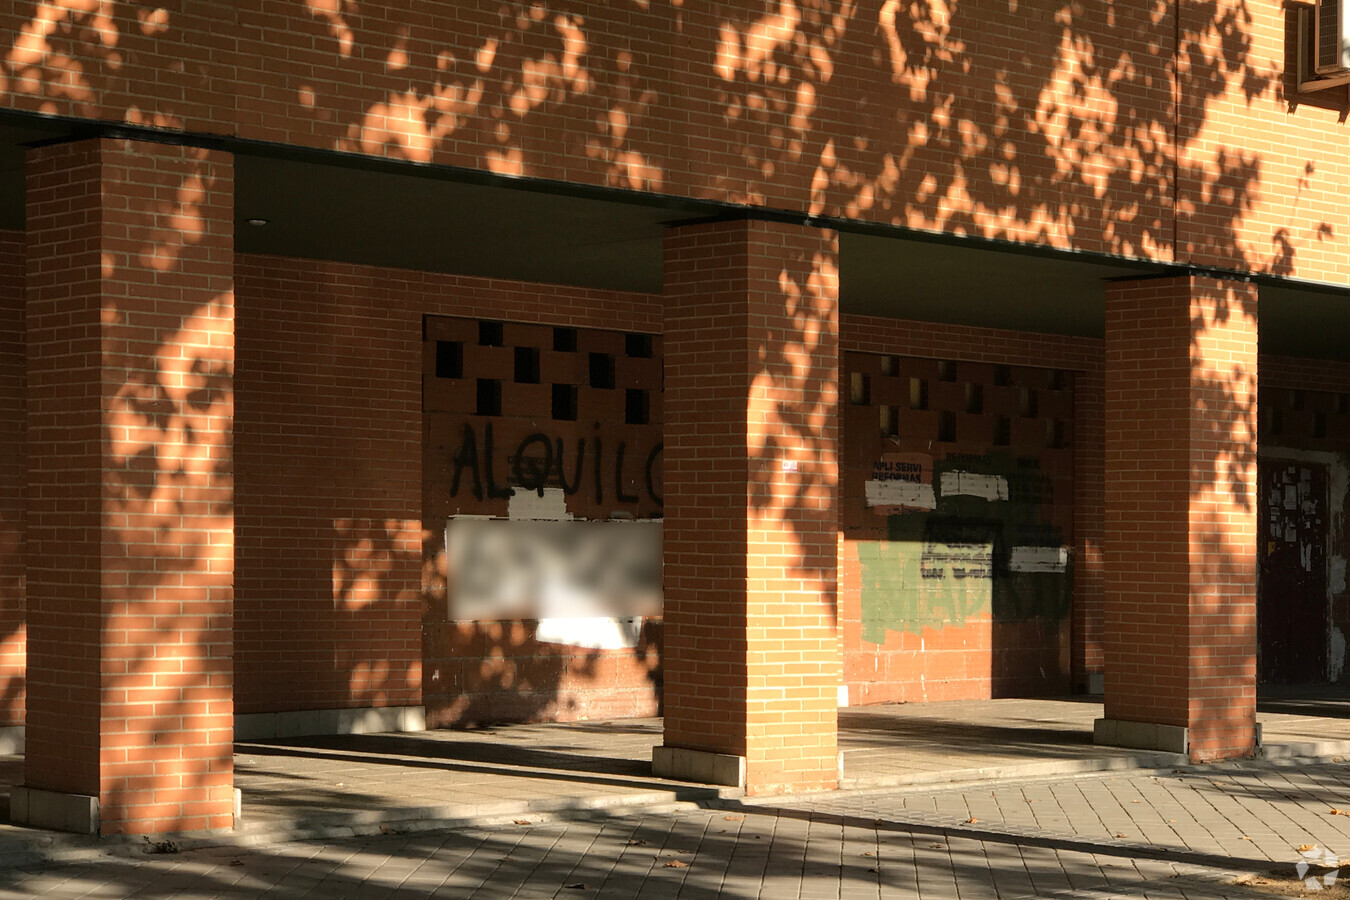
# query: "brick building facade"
(948, 351)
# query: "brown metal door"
(1291, 611)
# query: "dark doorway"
(1291, 611)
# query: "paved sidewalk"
(1191, 834)
(362, 784)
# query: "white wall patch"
(594, 633)
(972, 484)
(900, 493)
(1039, 559)
(550, 506)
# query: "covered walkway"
(361, 784)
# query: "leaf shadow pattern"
(914, 114)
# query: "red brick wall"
(332, 582)
(980, 658)
(130, 495)
(13, 374)
(1038, 123)
(1262, 166)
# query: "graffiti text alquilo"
(540, 461)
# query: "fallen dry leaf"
(637, 842)
(523, 822)
(1119, 835)
(1306, 848)
(1339, 812)
(868, 853)
(972, 820)
(676, 864)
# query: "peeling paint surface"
(1336, 658)
(1038, 559)
(900, 493)
(973, 484)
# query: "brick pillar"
(130, 518)
(751, 661)
(1181, 517)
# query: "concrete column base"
(76, 813)
(312, 722)
(11, 740)
(50, 809)
(698, 765)
(1141, 735)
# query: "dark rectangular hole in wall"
(449, 359)
(636, 408)
(890, 421)
(974, 398)
(1320, 425)
(490, 334)
(947, 427)
(918, 393)
(638, 346)
(1275, 421)
(1298, 400)
(1002, 376)
(859, 389)
(527, 365)
(1002, 431)
(489, 397)
(946, 370)
(1029, 403)
(602, 370)
(1343, 403)
(565, 339)
(1054, 434)
(890, 365)
(1055, 380)
(565, 402)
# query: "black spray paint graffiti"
(540, 461)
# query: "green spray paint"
(952, 564)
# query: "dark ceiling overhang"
(359, 209)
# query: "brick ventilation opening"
(957, 510)
(504, 400)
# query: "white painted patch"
(594, 633)
(1336, 658)
(1336, 575)
(551, 506)
(971, 484)
(843, 696)
(1039, 559)
(900, 493)
(513, 569)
